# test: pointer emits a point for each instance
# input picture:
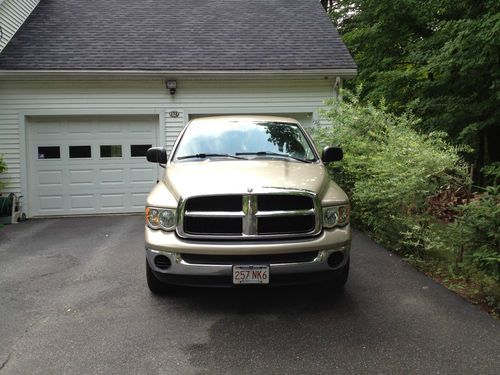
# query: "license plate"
(250, 274)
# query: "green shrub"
(393, 174)
(389, 169)
(478, 232)
(3, 168)
(474, 237)
(474, 241)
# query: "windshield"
(251, 139)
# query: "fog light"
(335, 259)
(162, 262)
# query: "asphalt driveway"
(73, 299)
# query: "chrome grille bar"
(284, 213)
(214, 214)
(249, 220)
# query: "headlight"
(161, 218)
(335, 216)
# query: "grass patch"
(479, 290)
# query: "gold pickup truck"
(246, 200)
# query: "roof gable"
(187, 35)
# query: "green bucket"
(6, 205)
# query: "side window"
(111, 151)
(139, 150)
(79, 152)
(49, 152)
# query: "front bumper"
(170, 242)
(183, 273)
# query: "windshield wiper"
(204, 156)
(265, 153)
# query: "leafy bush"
(389, 169)
(478, 233)
(475, 232)
(3, 168)
(410, 190)
(474, 237)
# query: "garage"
(89, 164)
(78, 110)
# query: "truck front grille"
(249, 216)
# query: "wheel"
(341, 279)
(156, 286)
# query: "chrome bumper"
(169, 242)
(181, 267)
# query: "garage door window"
(139, 150)
(49, 152)
(111, 151)
(79, 152)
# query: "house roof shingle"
(174, 35)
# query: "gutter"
(326, 73)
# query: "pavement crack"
(4, 363)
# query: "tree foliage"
(438, 58)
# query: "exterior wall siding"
(13, 13)
(21, 99)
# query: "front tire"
(341, 279)
(156, 286)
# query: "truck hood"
(234, 176)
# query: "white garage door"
(89, 165)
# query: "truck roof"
(210, 119)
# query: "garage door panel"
(85, 201)
(113, 201)
(140, 130)
(50, 178)
(81, 177)
(112, 176)
(110, 180)
(142, 175)
(50, 203)
(78, 130)
(137, 200)
(47, 130)
(115, 134)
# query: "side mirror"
(157, 155)
(332, 154)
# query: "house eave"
(179, 74)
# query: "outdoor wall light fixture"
(172, 86)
